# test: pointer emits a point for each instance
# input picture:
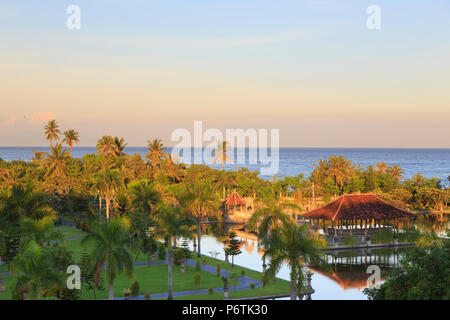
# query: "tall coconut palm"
(397, 172)
(52, 131)
(220, 153)
(155, 152)
(290, 244)
(119, 146)
(57, 161)
(108, 182)
(110, 250)
(70, 137)
(107, 146)
(201, 202)
(172, 222)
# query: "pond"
(347, 275)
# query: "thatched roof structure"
(234, 199)
(357, 206)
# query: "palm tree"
(107, 182)
(290, 244)
(172, 223)
(111, 242)
(397, 172)
(57, 161)
(339, 169)
(34, 267)
(52, 131)
(155, 152)
(220, 153)
(119, 146)
(175, 171)
(107, 146)
(382, 167)
(200, 201)
(70, 137)
(272, 213)
(144, 195)
(39, 231)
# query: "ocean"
(293, 161)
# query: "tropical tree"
(155, 152)
(172, 222)
(201, 202)
(57, 161)
(144, 195)
(382, 167)
(107, 146)
(52, 131)
(70, 137)
(108, 182)
(111, 244)
(35, 267)
(220, 153)
(290, 244)
(271, 214)
(396, 172)
(119, 146)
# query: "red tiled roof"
(357, 206)
(234, 199)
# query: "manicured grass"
(278, 286)
(70, 232)
(153, 279)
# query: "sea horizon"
(430, 162)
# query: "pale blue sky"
(141, 69)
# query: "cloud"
(40, 117)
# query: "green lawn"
(153, 279)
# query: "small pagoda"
(234, 202)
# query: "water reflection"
(346, 275)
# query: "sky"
(312, 69)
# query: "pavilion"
(234, 202)
(354, 211)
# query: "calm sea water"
(292, 161)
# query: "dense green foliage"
(424, 275)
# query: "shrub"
(252, 285)
(210, 290)
(242, 272)
(162, 252)
(197, 278)
(134, 288)
(147, 296)
(349, 240)
(197, 265)
(384, 236)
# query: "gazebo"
(353, 211)
(234, 201)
